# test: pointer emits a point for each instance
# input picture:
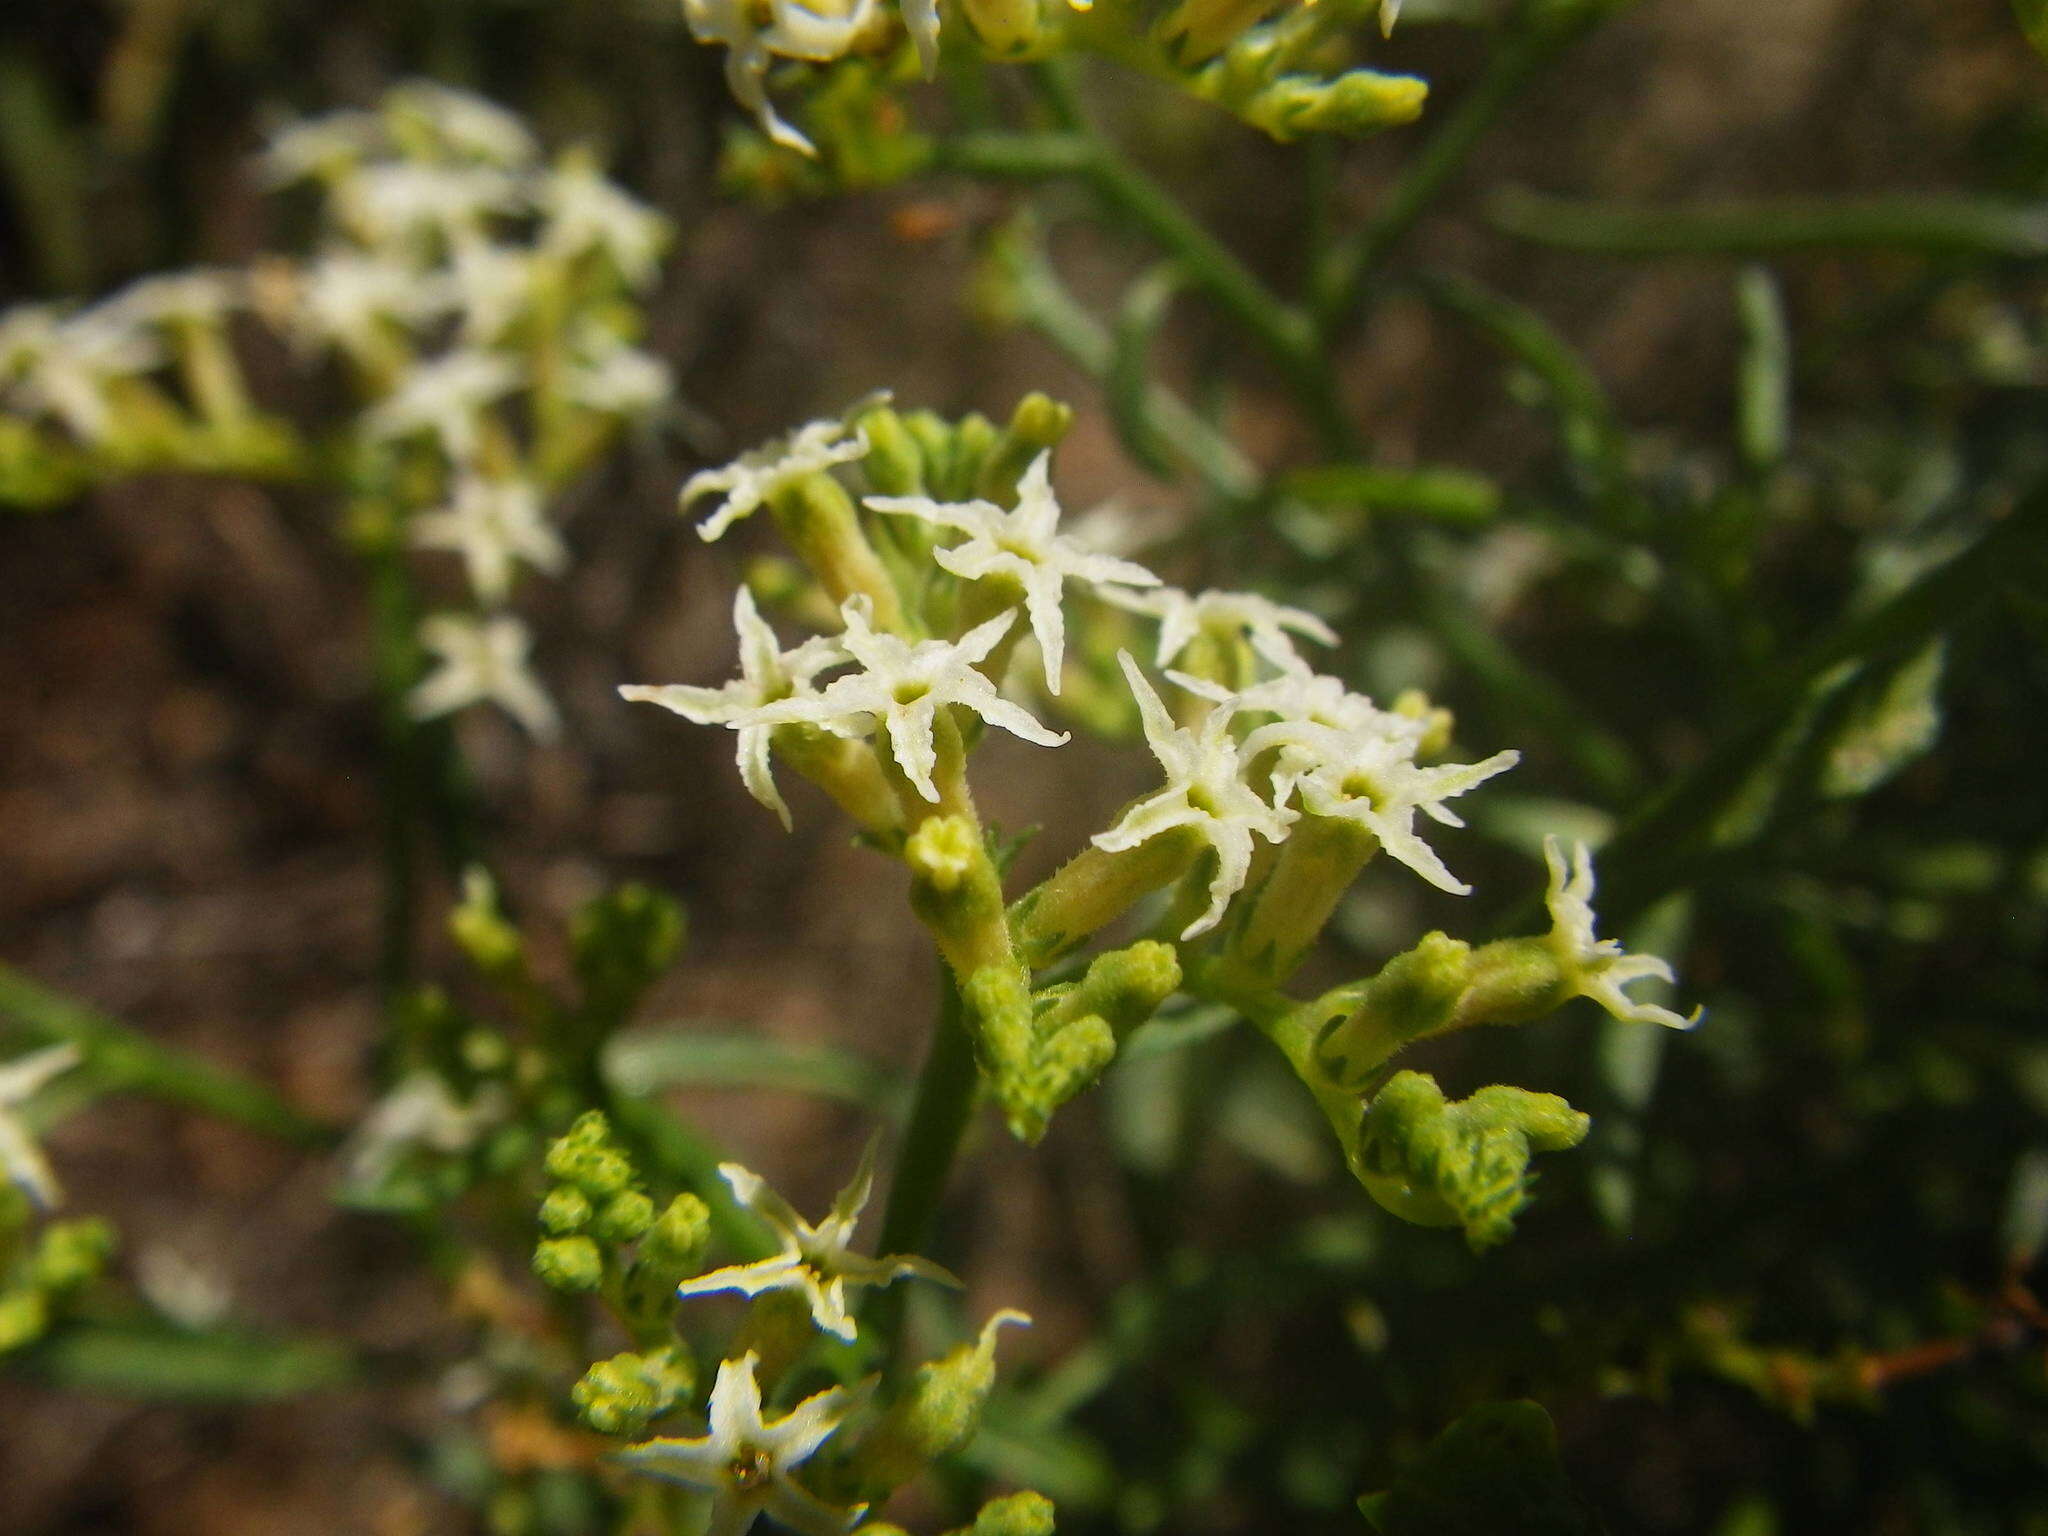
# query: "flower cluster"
(940, 549)
(1270, 62)
(817, 1466)
(473, 291)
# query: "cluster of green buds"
(604, 1238)
(1287, 67)
(44, 1264)
(961, 603)
(487, 307)
(471, 1101)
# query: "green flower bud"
(621, 942)
(24, 1318)
(817, 517)
(1008, 29)
(1463, 1164)
(71, 1254)
(479, 929)
(624, 1217)
(974, 439)
(894, 465)
(1195, 30)
(621, 1395)
(1415, 994)
(569, 1264)
(1514, 981)
(1037, 424)
(943, 852)
(1123, 987)
(674, 1245)
(940, 1411)
(1018, 1514)
(1065, 1064)
(1357, 101)
(566, 1209)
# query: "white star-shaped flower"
(446, 397)
(584, 212)
(388, 204)
(321, 146)
(749, 480)
(493, 286)
(483, 661)
(768, 675)
(21, 1160)
(816, 1262)
(819, 32)
(419, 1111)
(900, 687)
(1205, 790)
(1598, 967)
(348, 297)
(615, 379)
(60, 365)
(744, 1461)
(462, 123)
(731, 23)
(1024, 546)
(202, 296)
(1345, 756)
(494, 524)
(1261, 620)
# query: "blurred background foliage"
(1728, 510)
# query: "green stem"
(394, 622)
(946, 1093)
(123, 1059)
(1936, 225)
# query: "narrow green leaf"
(151, 1360)
(646, 1061)
(1437, 492)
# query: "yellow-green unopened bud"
(569, 1264)
(1438, 723)
(674, 1245)
(940, 1412)
(480, 930)
(621, 1395)
(1358, 101)
(1037, 424)
(1514, 981)
(71, 1254)
(1196, 30)
(1007, 28)
(1123, 988)
(943, 852)
(566, 1210)
(1018, 1514)
(894, 465)
(24, 1318)
(624, 1217)
(974, 439)
(1415, 994)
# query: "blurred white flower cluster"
(486, 304)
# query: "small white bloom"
(21, 1160)
(202, 296)
(494, 524)
(461, 123)
(1345, 756)
(731, 23)
(921, 21)
(816, 1262)
(819, 32)
(347, 298)
(61, 366)
(768, 675)
(1024, 546)
(445, 397)
(744, 1461)
(749, 480)
(493, 286)
(618, 380)
(483, 661)
(1205, 789)
(900, 687)
(584, 212)
(390, 204)
(1261, 620)
(421, 1111)
(1599, 967)
(321, 146)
